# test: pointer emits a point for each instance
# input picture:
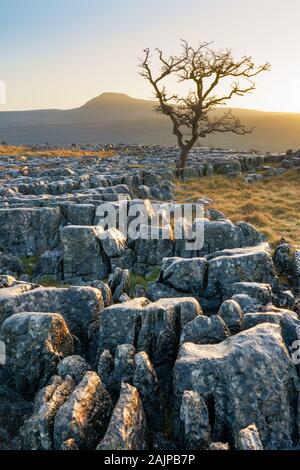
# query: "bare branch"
(205, 69)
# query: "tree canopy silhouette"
(205, 69)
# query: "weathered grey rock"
(35, 342)
(288, 321)
(82, 253)
(194, 419)
(213, 214)
(241, 265)
(160, 330)
(81, 214)
(123, 369)
(119, 324)
(105, 367)
(123, 298)
(73, 366)
(248, 377)
(113, 242)
(120, 283)
(259, 291)
(124, 261)
(150, 251)
(248, 439)
(28, 231)
(283, 259)
(156, 291)
(10, 264)
(188, 308)
(253, 177)
(146, 383)
(79, 306)
(296, 270)
(127, 429)
(246, 303)
(85, 414)
(105, 291)
(284, 299)
(37, 431)
(9, 294)
(250, 236)
(185, 275)
(205, 330)
(219, 235)
(231, 313)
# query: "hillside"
(116, 117)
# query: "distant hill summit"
(117, 117)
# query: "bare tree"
(205, 69)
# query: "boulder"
(231, 313)
(105, 367)
(105, 291)
(37, 431)
(218, 446)
(113, 242)
(85, 414)
(120, 283)
(127, 429)
(247, 378)
(69, 444)
(81, 214)
(82, 253)
(287, 320)
(252, 264)
(283, 259)
(146, 383)
(219, 235)
(205, 330)
(29, 231)
(123, 369)
(35, 343)
(49, 264)
(184, 275)
(259, 291)
(73, 366)
(79, 306)
(120, 323)
(248, 439)
(160, 329)
(194, 420)
(10, 264)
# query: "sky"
(61, 53)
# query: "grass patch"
(48, 281)
(272, 205)
(137, 279)
(136, 166)
(27, 151)
(29, 264)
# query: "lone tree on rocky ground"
(205, 69)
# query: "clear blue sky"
(60, 53)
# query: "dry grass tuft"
(272, 205)
(27, 151)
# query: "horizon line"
(139, 99)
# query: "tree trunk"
(182, 161)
